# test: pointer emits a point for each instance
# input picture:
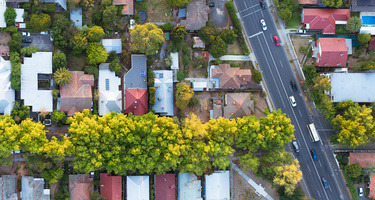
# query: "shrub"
(59, 117)
(194, 101)
(27, 51)
(167, 26)
(116, 67)
(55, 94)
(10, 16)
(152, 97)
(58, 61)
(11, 30)
(303, 49)
(285, 14)
(90, 69)
(257, 76)
(180, 76)
(50, 7)
(185, 60)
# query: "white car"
(44, 33)
(26, 34)
(292, 101)
(263, 23)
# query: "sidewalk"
(232, 58)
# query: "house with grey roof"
(61, 3)
(164, 92)
(110, 96)
(189, 187)
(112, 45)
(33, 189)
(196, 15)
(358, 87)
(8, 185)
(7, 94)
(76, 17)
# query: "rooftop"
(357, 87)
(33, 189)
(8, 186)
(20, 12)
(128, 8)
(189, 187)
(230, 77)
(7, 94)
(365, 160)
(311, 2)
(324, 19)
(80, 186)
(138, 187)
(112, 45)
(165, 187)
(110, 96)
(110, 186)
(332, 52)
(196, 15)
(39, 64)
(3, 8)
(136, 77)
(237, 105)
(76, 16)
(371, 46)
(371, 186)
(136, 101)
(164, 92)
(61, 3)
(217, 185)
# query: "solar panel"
(161, 75)
(143, 73)
(107, 84)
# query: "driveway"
(218, 14)
(43, 42)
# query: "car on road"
(293, 85)
(313, 154)
(277, 40)
(301, 31)
(44, 33)
(211, 4)
(360, 191)
(295, 146)
(26, 34)
(292, 101)
(26, 40)
(324, 182)
(263, 23)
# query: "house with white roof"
(175, 65)
(110, 96)
(164, 92)
(217, 186)
(7, 94)
(112, 45)
(3, 8)
(36, 84)
(189, 187)
(137, 187)
(20, 12)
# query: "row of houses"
(135, 187)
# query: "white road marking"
(320, 164)
(247, 8)
(252, 13)
(245, 4)
(319, 193)
(260, 32)
(281, 64)
(300, 112)
(330, 189)
(309, 168)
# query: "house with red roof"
(77, 95)
(128, 6)
(330, 52)
(236, 105)
(230, 77)
(110, 186)
(324, 19)
(80, 186)
(165, 187)
(135, 81)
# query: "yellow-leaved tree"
(183, 95)
(146, 38)
(287, 176)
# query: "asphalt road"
(277, 74)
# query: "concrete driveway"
(218, 14)
(43, 42)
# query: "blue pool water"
(368, 20)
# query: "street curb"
(295, 55)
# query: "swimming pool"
(368, 20)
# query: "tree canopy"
(62, 76)
(183, 95)
(10, 16)
(332, 3)
(354, 24)
(95, 34)
(147, 38)
(39, 22)
(218, 48)
(96, 54)
(59, 61)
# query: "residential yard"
(235, 48)
(4, 38)
(156, 10)
(243, 190)
(300, 44)
(76, 63)
(89, 13)
(295, 22)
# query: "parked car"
(211, 4)
(360, 191)
(263, 23)
(277, 40)
(292, 101)
(295, 146)
(293, 85)
(301, 31)
(26, 34)
(44, 33)
(313, 154)
(324, 182)
(27, 40)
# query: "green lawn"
(295, 22)
(340, 30)
(354, 14)
(76, 63)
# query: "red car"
(276, 39)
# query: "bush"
(55, 94)
(194, 101)
(11, 30)
(50, 7)
(167, 26)
(180, 76)
(10, 16)
(116, 67)
(303, 49)
(152, 97)
(58, 61)
(185, 60)
(27, 51)
(17, 37)
(285, 14)
(38, 23)
(257, 76)
(90, 69)
(59, 117)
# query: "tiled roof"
(165, 187)
(80, 186)
(7, 94)
(110, 96)
(312, 2)
(334, 52)
(77, 95)
(324, 19)
(110, 186)
(33, 189)
(196, 16)
(237, 105)
(164, 92)
(128, 8)
(136, 101)
(230, 77)
(8, 187)
(365, 160)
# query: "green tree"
(39, 22)
(310, 73)
(88, 4)
(17, 37)
(59, 61)
(218, 48)
(288, 176)
(228, 35)
(90, 69)
(354, 24)
(55, 94)
(249, 161)
(207, 34)
(183, 95)
(20, 112)
(32, 136)
(78, 43)
(116, 67)
(59, 117)
(322, 83)
(257, 76)
(28, 51)
(95, 34)
(364, 38)
(14, 46)
(62, 76)
(194, 101)
(353, 170)
(179, 3)
(53, 175)
(298, 194)
(167, 26)
(11, 30)
(60, 22)
(10, 16)
(285, 14)
(332, 3)
(147, 39)
(96, 54)
(109, 15)
(151, 96)
(178, 34)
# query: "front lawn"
(340, 30)
(295, 22)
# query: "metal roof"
(133, 78)
(189, 187)
(357, 87)
(217, 186)
(112, 45)
(164, 92)
(111, 99)
(138, 187)
(7, 94)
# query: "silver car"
(263, 23)
(292, 101)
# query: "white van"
(360, 192)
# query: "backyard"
(156, 10)
(76, 63)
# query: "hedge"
(237, 27)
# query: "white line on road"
(300, 112)
(252, 13)
(247, 8)
(245, 4)
(309, 168)
(260, 32)
(281, 64)
(319, 193)
(320, 163)
(330, 189)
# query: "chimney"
(162, 107)
(341, 54)
(102, 102)
(234, 103)
(135, 107)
